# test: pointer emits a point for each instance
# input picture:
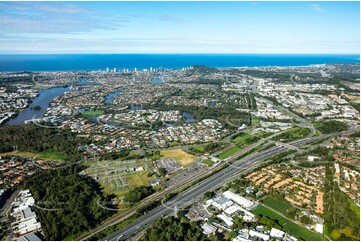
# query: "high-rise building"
(107, 69)
(115, 69)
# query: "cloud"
(171, 18)
(317, 8)
(51, 18)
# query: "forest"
(67, 203)
(32, 138)
(173, 229)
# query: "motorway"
(193, 193)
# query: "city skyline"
(179, 27)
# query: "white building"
(209, 228)
(227, 220)
(276, 233)
(242, 201)
(254, 233)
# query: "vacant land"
(49, 154)
(93, 112)
(208, 162)
(228, 152)
(292, 134)
(244, 138)
(138, 179)
(294, 229)
(182, 157)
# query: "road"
(193, 193)
(209, 184)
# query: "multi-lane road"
(193, 193)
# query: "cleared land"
(138, 179)
(93, 113)
(228, 152)
(182, 157)
(292, 134)
(49, 154)
(208, 162)
(289, 226)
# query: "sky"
(179, 27)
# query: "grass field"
(292, 134)
(182, 157)
(93, 113)
(208, 162)
(138, 179)
(49, 154)
(290, 227)
(173, 143)
(280, 206)
(199, 148)
(228, 152)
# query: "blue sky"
(179, 27)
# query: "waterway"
(43, 99)
(110, 96)
(188, 117)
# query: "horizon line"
(201, 53)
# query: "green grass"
(292, 134)
(51, 154)
(280, 206)
(174, 143)
(228, 152)
(93, 113)
(294, 229)
(199, 148)
(244, 138)
(208, 162)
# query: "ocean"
(87, 62)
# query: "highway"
(215, 181)
(191, 194)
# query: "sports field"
(182, 157)
(294, 229)
(280, 206)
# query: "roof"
(276, 233)
(254, 233)
(29, 237)
(208, 228)
(244, 202)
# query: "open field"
(138, 179)
(292, 134)
(93, 113)
(228, 152)
(182, 157)
(208, 162)
(49, 154)
(280, 206)
(289, 226)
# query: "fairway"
(280, 206)
(182, 157)
(228, 152)
(290, 227)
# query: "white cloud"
(317, 8)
